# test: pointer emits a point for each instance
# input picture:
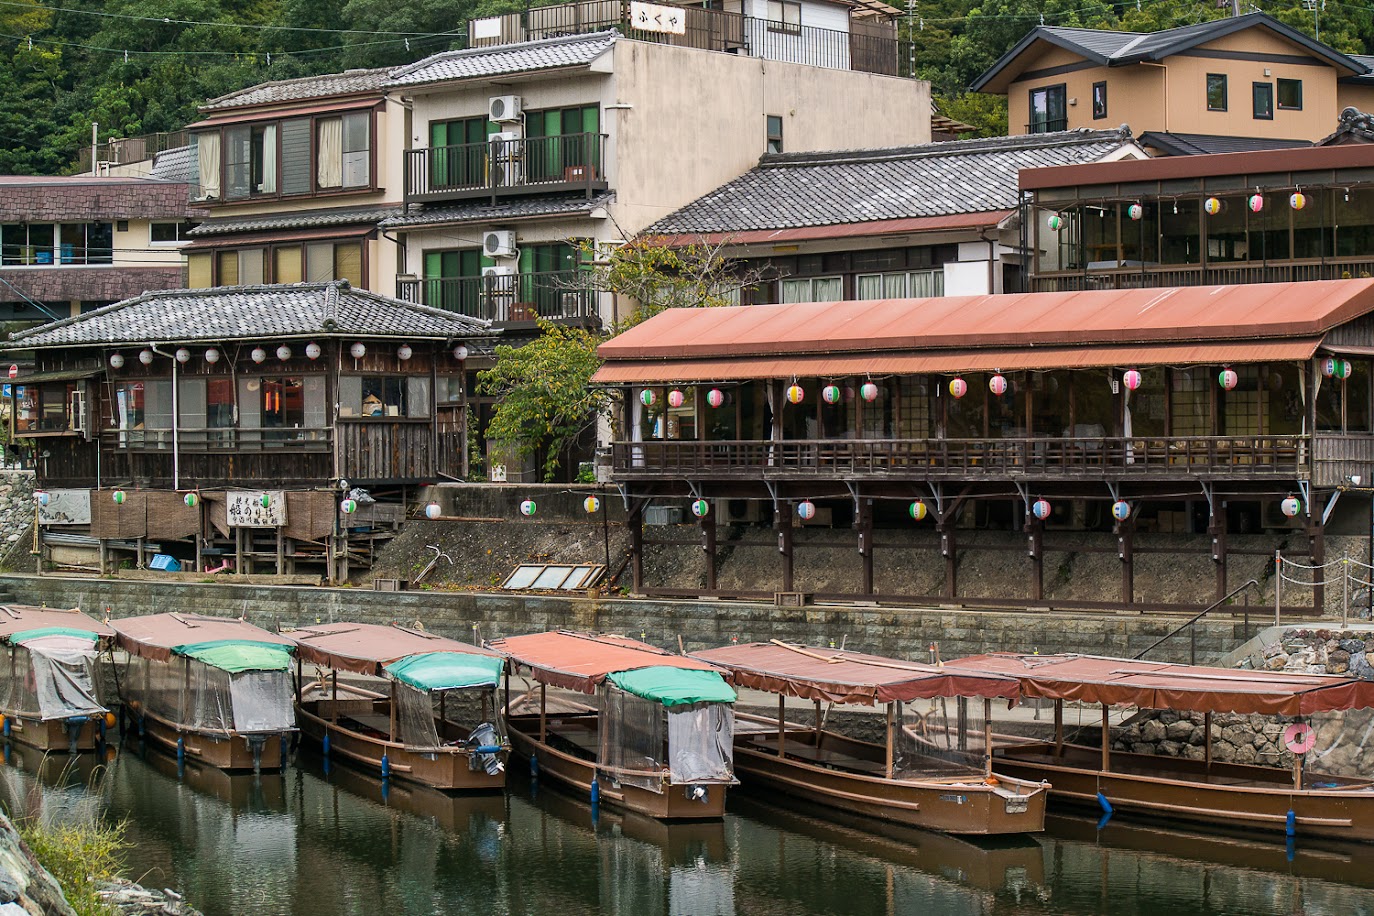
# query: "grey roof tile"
(252, 313)
(301, 219)
(1176, 144)
(936, 179)
(305, 87)
(177, 164)
(481, 211)
(566, 51)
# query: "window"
(274, 158)
(1099, 100)
(384, 396)
(343, 154)
(453, 281)
(52, 407)
(901, 285)
(774, 128)
(812, 289)
(56, 244)
(784, 16)
(169, 233)
(1048, 109)
(1263, 95)
(560, 143)
(458, 156)
(293, 263)
(1290, 95)
(1216, 92)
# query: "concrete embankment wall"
(903, 632)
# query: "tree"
(547, 399)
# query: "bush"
(80, 857)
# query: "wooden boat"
(877, 780)
(402, 732)
(659, 744)
(1203, 792)
(50, 687)
(215, 689)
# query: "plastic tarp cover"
(28, 636)
(206, 702)
(53, 677)
(701, 743)
(447, 670)
(238, 655)
(262, 701)
(415, 718)
(674, 686)
(632, 739)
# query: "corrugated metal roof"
(1262, 162)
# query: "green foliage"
(987, 114)
(79, 856)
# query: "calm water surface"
(310, 843)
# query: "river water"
(309, 842)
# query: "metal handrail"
(1193, 620)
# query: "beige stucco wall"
(133, 246)
(1353, 96)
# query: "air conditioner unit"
(499, 270)
(503, 108)
(505, 157)
(571, 304)
(499, 243)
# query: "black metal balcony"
(499, 167)
(562, 295)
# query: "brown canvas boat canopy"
(366, 648)
(582, 661)
(1161, 685)
(19, 618)
(848, 677)
(156, 636)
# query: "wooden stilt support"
(1035, 532)
(1317, 536)
(1207, 739)
(1059, 728)
(1106, 738)
(708, 547)
(1125, 548)
(635, 522)
(987, 736)
(948, 549)
(865, 525)
(782, 725)
(782, 522)
(1217, 529)
(543, 713)
(891, 739)
(818, 723)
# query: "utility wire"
(22, 295)
(233, 25)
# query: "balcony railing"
(868, 46)
(562, 294)
(1047, 125)
(1185, 457)
(223, 439)
(1150, 276)
(496, 167)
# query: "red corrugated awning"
(156, 635)
(581, 661)
(365, 648)
(846, 230)
(17, 618)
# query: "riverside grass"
(80, 857)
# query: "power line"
(231, 25)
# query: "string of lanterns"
(284, 353)
(1212, 206)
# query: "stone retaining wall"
(16, 516)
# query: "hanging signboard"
(651, 17)
(246, 509)
(66, 507)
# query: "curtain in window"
(329, 155)
(796, 291)
(207, 161)
(269, 160)
(348, 262)
(826, 289)
(357, 154)
(869, 286)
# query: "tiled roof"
(1355, 127)
(86, 197)
(301, 219)
(178, 164)
(481, 211)
(1367, 60)
(1201, 144)
(548, 54)
(251, 313)
(348, 82)
(935, 179)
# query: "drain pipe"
(176, 420)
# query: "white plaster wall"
(967, 278)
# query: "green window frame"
(557, 139)
(465, 167)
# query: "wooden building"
(1251, 402)
(237, 420)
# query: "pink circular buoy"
(1299, 737)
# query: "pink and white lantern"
(869, 392)
(1228, 379)
(831, 394)
(958, 387)
(1131, 379)
(146, 357)
(212, 356)
(283, 353)
(998, 384)
(259, 354)
(117, 360)
(715, 397)
(795, 394)
(1041, 509)
(1255, 202)
(312, 350)
(1291, 506)
(806, 510)
(676, 398)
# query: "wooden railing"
(1108, 457)
(1159, 275)
(219, 439)
(495, 167)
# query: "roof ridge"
(357, 71)
(1078, 135)
(459, 53)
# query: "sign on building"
(246, 509)
(651, 17)
(66, 507)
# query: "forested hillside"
(139, 66)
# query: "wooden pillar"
(635, 521)
(865, 525)
(334, 695)
(1125, 549)
(1106, 738)
(949, 550)
(1317, 538)
(987, 736)
(543, 714)
(891, 729)
(1035, 533)
(818, 723)
(281, 552)
(1216, 527)
(782, 725)
(238, 552)
(708, 547)
(782, 522)
(1059, 728)
(391, 735)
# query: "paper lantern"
(869, 392)
(212, 356)
(715, 397)
(312, 350)
(958, 387)
(591, 504)
(1228, 379)
(917, 510)
(357, 351)
(1135, 211)
(831, 394)
(146, 357)
(117, 360)
(258, 355)
(348, 506)
(191, 500)
(183, 355)
(283, 353)
(795, 394)
(119, 497)
(701, 508)
(1255, 202)
(1041, 509)
(1297, 201)
(676, 398)
(41, 498)
(403, 352)
(527, 508)
(1212, 206)
(1056, 222)
(1336, 368)
(1131, 379)
(647, 397)
(460, 352)
(432, 510)
(1121, 510)
(998, 384)
(265, 500)
(806, 510)
(1291, 506)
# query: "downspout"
(992, 259)
(176, 420)
(1165, 73)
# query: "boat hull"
(957, 803)
(447, 768)
(1227, 796)
(52, 736)
(231, 751)
(673, 803)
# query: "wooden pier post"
(864, 523)
(708, 546)
(1106, 738)
(782, 522)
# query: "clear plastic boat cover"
(204, 697)
(701, 743)
(53, 677)
(641, 739)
